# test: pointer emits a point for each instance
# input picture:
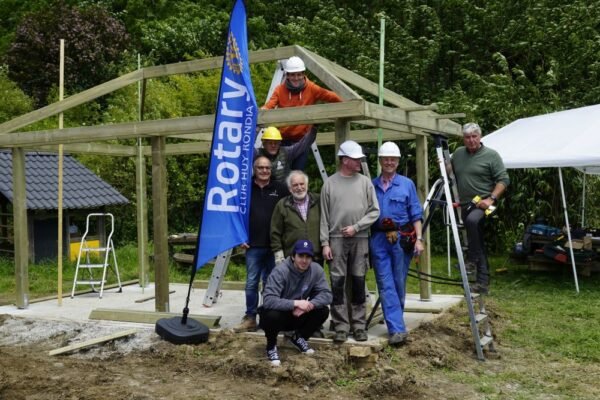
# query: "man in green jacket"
(296, 217)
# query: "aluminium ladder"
(480, 324)
(84, 260)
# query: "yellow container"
(76, 245)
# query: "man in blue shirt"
(395, 239)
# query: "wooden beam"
(225, 285)
(161, 227)
(133, 77)
(70, 102)
(332, 81)
(145, 317)
(362, 136)
(205, 64)
(314, 114)
(101, 149)
(432, 107)
(126, 130)
(422, 160)
(177, 149)
(201, 136)
(416, 120)
(448, 127)
(83, 291)
(90, 343)
(309, 114)
(21, 231)
(342, 132)
(141, 213)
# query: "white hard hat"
(294, 64)
(389, 149)
(350, 149)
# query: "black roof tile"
(81, 187)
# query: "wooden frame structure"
(402, 119)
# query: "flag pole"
(225, 217)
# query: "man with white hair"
(479, 171)
(297, 90)
(296, 217)
(348, 208)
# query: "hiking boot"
(340, 337)
(318, 334)
(273, 356)
(398, 339)
(470, 267)
(248, 324)
(480, 288)
(360, 335)
(301, 344)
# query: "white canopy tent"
(561, 139)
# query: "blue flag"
(225, 217)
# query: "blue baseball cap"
(304, 247)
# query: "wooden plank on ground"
(143, 299)
(84, 291)
(89, 343)
(148, 317)
(225, 285)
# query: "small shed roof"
(81, 187)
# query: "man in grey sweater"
(348, 208)
(295, 298)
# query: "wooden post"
(159, 217)
(61, 95)
(20, 234)
(422, 191)
(142, 217)
(141, 193)
(342, 132)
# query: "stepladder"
(96, 255)
(442, 195)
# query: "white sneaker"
(273, 356)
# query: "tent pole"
(583, 200)
(564, 203)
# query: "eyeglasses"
(263, 167)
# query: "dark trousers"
(275, 321)
(474, 221)
(299, 163)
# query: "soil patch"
(438, 362)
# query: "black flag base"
(182, 330)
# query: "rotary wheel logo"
(234, 61)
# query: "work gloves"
(279, 256)
(391, 230)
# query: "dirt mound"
(143, 366)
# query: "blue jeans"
(259, 264)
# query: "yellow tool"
(488, 212)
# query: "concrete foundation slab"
(230, 307)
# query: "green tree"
(15, 102)
(94, 42)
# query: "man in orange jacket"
(296, 91)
